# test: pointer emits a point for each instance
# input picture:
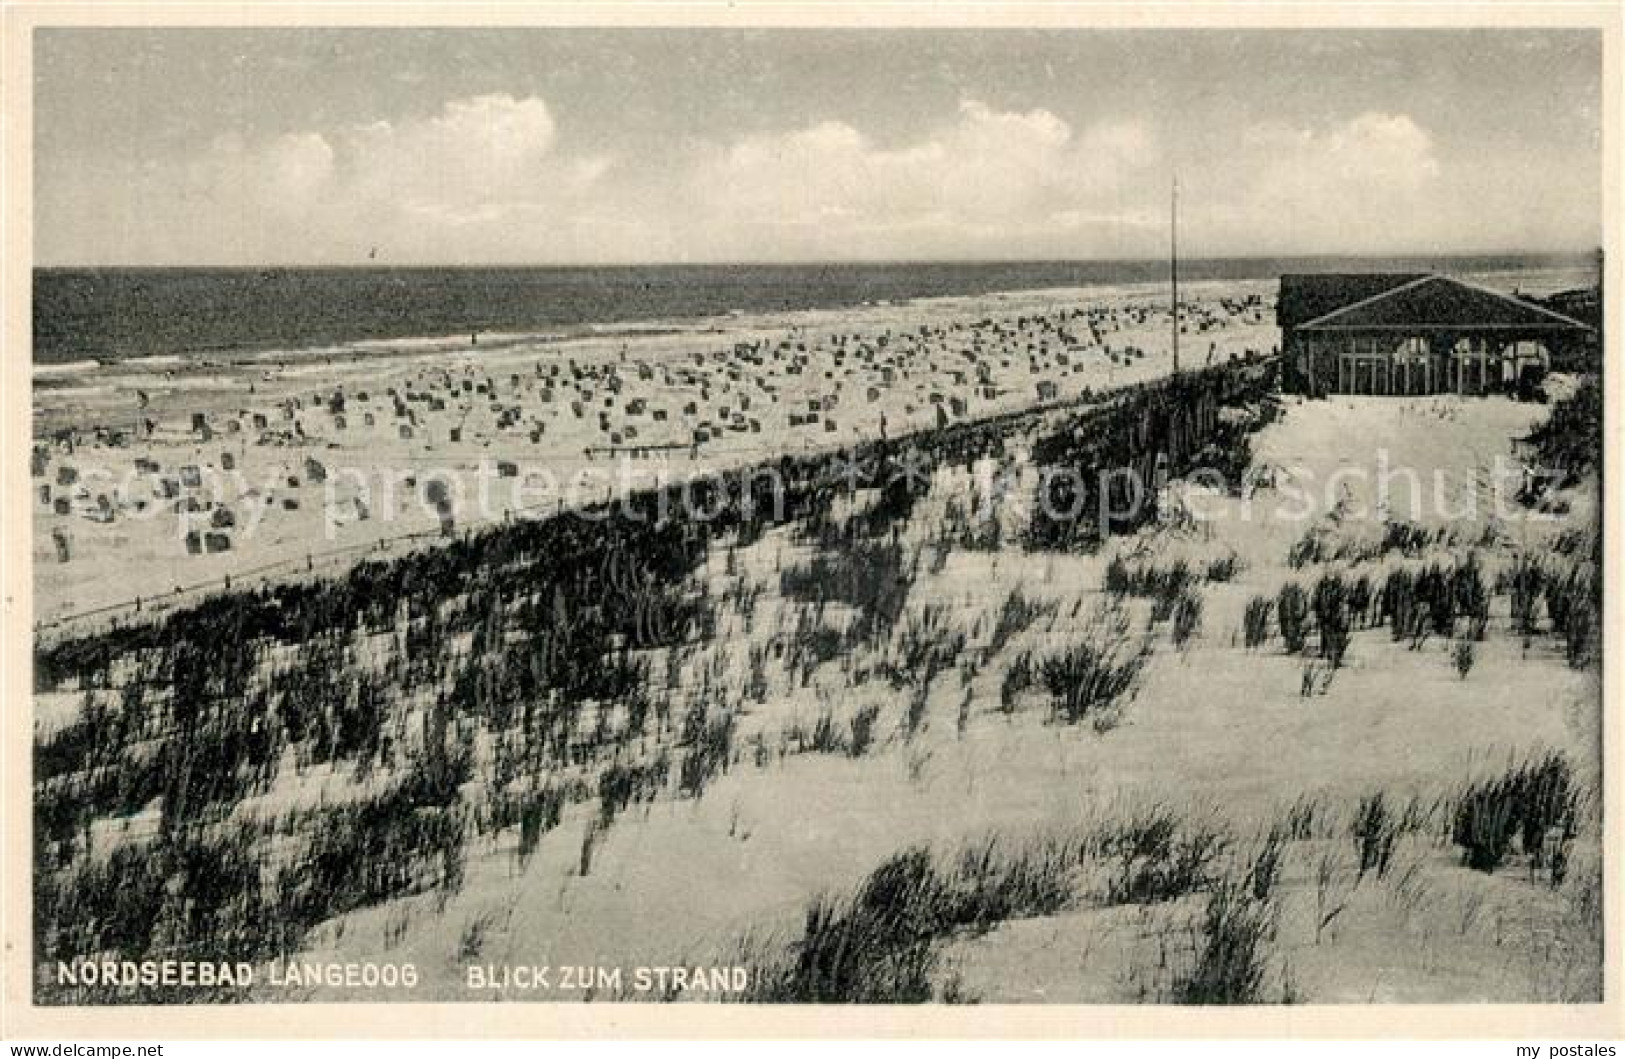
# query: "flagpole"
(1173, 263)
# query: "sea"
(111, 314)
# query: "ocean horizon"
(120, 313)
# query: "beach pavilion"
(1418, 333)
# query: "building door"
(1407, 367)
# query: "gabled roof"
(1583, 304)
(1441, 301)
(1308, 296)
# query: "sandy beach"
(277, 464)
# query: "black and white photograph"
(829, 514)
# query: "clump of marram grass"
(1018, 677)
(1162, 584)
(1157, 856)
(1329, 601)
(1163, 858)
(926, 643)
(1463, 656)
(539, 812)
(1524, 584)
(624, 784)
(1304, 818)
(1016, 614)
(1256, 621)
(1398, 603)
(1292, 613)
(1224, 568)
(1579, 632)
(825, 736)
(1360, 598)
(756, 684)
(1435, 588)
(1573, 602)
(589, 843)
(1264, 870)
(813, 642)
(1092, 679)
(1187, 617)
(1472, 597)
(880, 945)
(1375, 830)
(1533, 805)
(863, 729)
(709, 750)
(1229, 966)
(919, 699)
(1316, 678)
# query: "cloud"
(1371, 166)
(483, 151)
(490, 179)
(1367, 183)
(298, 166)
(1381, 183)
(495, 178)
(831, 190)
(482, 177)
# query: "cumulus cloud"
(492, 179)
(986, 175)
(483, 151)
(1311, 184)
(482, 177)
(495, 178)
(298, 166)
(1370, 183)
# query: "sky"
(246, 147)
